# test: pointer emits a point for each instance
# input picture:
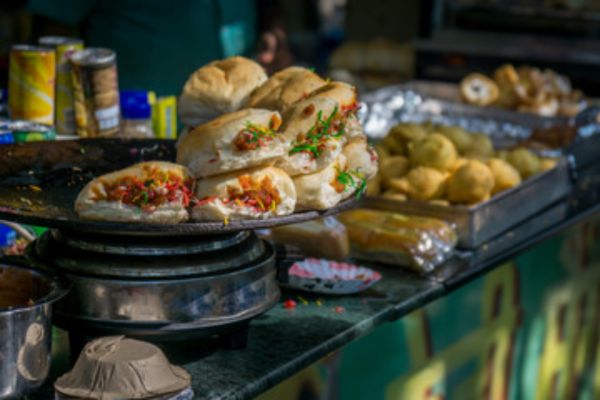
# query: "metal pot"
(26, 297)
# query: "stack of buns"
(256, 147)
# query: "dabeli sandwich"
(285, 88)
(346, 97)
(152, 192)
(326, 188)
(219, 87)
(361, 157)
(234, 141)
(254, 194)
(316, 132)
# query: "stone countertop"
(284, 341)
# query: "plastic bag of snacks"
(418, 243)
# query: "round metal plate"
(39, 182)
(55, 254)
(149, 246)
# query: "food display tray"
(479, 223)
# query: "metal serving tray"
(479, 223)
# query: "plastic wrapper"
(328, 233)
(418, 243)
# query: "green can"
(26, 131)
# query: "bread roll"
(150, 192)
(326, 188)
(315, 129)
(233, 141)
(284, 88)
(361, 157)
(219, 87)
(253, 194)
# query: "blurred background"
(372, 42)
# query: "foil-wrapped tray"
(438, 102)
(479, 223)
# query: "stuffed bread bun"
(326, 188)
(316, 133)
(151, 192)
(284, 88)
(231, 142)
(219, 87)
(253, 194)
(361, 157)
(346, 97)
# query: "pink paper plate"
(330, 277)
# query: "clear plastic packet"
(417, 243)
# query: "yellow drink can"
(31, 76)
(64, 109)
(164, 117)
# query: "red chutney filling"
(261, 195)
(157, 189)
(254, 136)
(350, 109)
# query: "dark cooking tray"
(39, 182)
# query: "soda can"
(31, 75)
(27, 131)
(164, 117)
(64, 47)
(96, 92)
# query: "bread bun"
(219, 87)
(361, 157)
(234, 141)
(304, 118)
(112, 197)
(343, 93)
(253, 194)
(284, 88)
(326, 188)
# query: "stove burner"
(170, 288)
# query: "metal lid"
(94, 57)
(28, 47)
(58, 40)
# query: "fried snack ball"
(471, 183)
(459, 163)
(393, 146)
(524, 161)
(546, 164)
(404, 133)
(481, 147)
(393, 167)
(461, 139)
(408, 131)
(505, 175)
(421, 183)
(435, 151)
